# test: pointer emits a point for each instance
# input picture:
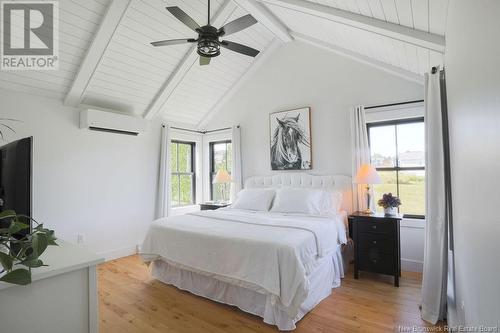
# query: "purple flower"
(388, 200)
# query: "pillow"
(299, 200)
(254, 199)
(307, 201)
(335, 202)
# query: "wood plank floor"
(131, 301)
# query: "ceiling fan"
(208, 40)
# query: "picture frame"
(290, 139)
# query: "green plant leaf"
(33, 263)
(7, 214)
(15, 227)
(6, 261)
(52, 241)
(40, 243)
(18, 276)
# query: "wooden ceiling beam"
(405, 34)
(402, 73)
(107, 29)
(266, 18)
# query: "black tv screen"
(15, 177)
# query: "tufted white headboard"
(294, 179)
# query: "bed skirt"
(326, 276)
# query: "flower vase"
(391, 211)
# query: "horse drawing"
(285, 150)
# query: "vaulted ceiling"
(106, 59)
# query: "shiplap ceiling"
(78, 22)
(310, 24)
(106, 59)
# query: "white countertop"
(61, 259)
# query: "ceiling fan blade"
(173, 42)
(183, 17)
(237, 25)
(243, 49)
(204, 60)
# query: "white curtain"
(237, 183)
(438, 209)
(164, 189)
(360, 153)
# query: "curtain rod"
(201, 132)
(393, 104)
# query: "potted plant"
(390, 204)
(20, 253)
(5, 126)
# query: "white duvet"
(267, 252)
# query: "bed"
(278, 266)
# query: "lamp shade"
(367, 174)
(222, 177)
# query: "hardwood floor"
(131, 301)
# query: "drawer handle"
(374, 261)
(374, 242)
(374, 227)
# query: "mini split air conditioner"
(104, 121)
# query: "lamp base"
(368, 212)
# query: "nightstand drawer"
(377, 262)
(375, 226)
(375, 242)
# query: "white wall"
(299, 75)
(473, 82)
(101, 185)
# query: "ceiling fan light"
(208, 48)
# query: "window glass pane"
(186, 196)
(412, 192)
(219, 156)
(411, 145)
(173, 156)
(383, 146)
(175, 190)
(184, 161)
(389, 185)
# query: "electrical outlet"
(80, 238)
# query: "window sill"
(413, 223)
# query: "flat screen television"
(15, 177)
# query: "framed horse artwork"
(291, 139)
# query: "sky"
(411, 137)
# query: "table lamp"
(222, 177)
(367, 175)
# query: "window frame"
(178, 174)
(212, 171)
(397, 168)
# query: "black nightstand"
(376, 244)
(212, 206)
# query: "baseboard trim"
(411, 265)
(118, 253)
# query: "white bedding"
(266, 252)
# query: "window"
(220, 158)
(398, 153)
(183, 175)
